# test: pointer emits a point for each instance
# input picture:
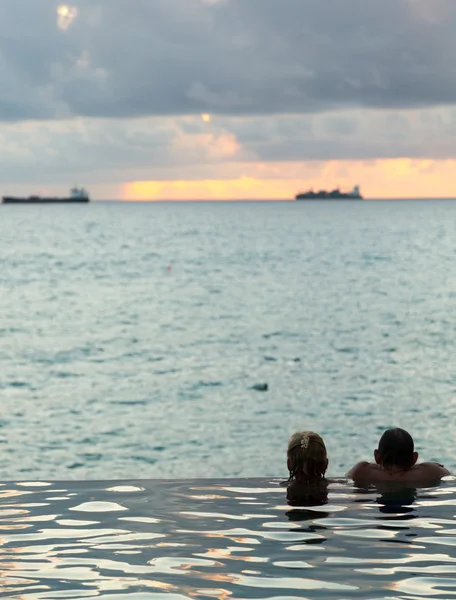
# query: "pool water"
(224, 539)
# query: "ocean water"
(176, 540)
(131, 335)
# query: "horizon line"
(201, 200)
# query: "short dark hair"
(396, 448)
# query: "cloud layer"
(237, 57)
(110, 91)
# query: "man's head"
(396, 450)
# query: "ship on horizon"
(336, 194)
(77, 194)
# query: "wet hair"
(396, 449)
(307, 456)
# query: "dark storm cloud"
(126, 58)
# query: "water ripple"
(152, 538)
(346, 310)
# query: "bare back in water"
(417, 474)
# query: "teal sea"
(131, 335)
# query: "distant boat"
(77, 194)
(333, 195)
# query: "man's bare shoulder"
(428, 470)
(364, 470)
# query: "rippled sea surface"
(113, 365)
(224, 539)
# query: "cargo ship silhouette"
(333, 195)
(77, 194)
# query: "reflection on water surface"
(224, 539)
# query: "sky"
(228, 99)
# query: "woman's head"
(396, 450)
(307, 458)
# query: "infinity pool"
(224, 539)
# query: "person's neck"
(395, 468)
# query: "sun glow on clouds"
(211, 146)
(65, 16)
(223, 189)
(395, 178)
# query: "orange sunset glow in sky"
(384, 179)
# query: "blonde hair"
(307, 458)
